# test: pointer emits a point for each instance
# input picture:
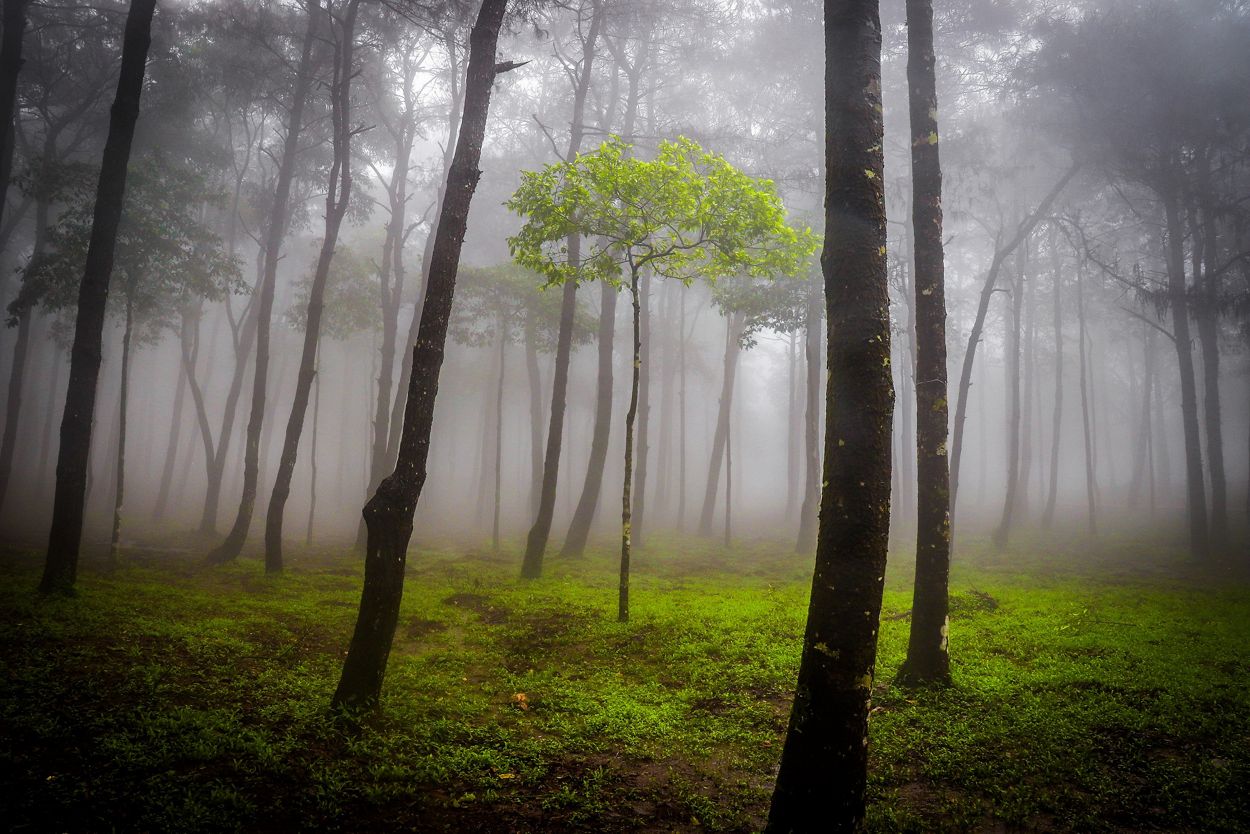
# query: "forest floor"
(1095, 690)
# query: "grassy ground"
(174, 697)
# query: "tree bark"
(824, 764)
(1091, 484)
(584, 516)
(1207, 318)
(1178, 301)
(622, 596)
(229, 549)
(733, 348)
(811, 423)
(312, 452)
(389, 513)
(14, 21)
(171, 450)
(928, 658)
(338, 194)
(61, 566)
(978, 325)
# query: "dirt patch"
(418, 627)
(483, 606)
(972, 602)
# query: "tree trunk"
(824, 764)
(1028, 394)
(622, 598)
(729, 487)
(928, 658)
(14, 21)
(503, 365)
(792, 428)
(389, 513)
(733, 331)
(1207, 317)
(536, 542)
(1048, 515)
(312, 452)
(61, 567)
(1014, 335)
(811, 422)
(681, 416)
(536, 414)
(1091, 485)
(584, 516)
(171, 450)
(275, 233)
(644, 414)
(339, 193)
(119, 492)
(978, 325)
(1178, 302)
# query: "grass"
(173, 697)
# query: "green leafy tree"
(686, 215)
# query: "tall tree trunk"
(792, 428)
(644, 414)
(928, 658)
(1178, 301)
(811, 422)
(978, 325)
(1014, 334)
(1207, 317)
(536, 413)
(49, 413)
(229, 549)
(729, 487)
(733, 347)
(119, 491)
(498, 498)
(681, 415)
(215, 462)
(1091, 485)
(1056, 434)
(664, 456)
(1029, 394)
(622, 595)
(14, 21)
(337, 198)
(389, 513)
(312, 452)
(584, 516)
(824, 764)
(171, 450)
(61, 567)
(536, 541)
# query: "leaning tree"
(685, 215)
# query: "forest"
(625, 415)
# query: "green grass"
(174, 697)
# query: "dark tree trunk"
(49, 414)
(928, 658)
(644, 414)
(584, 516)
(824, 764)
(389, 513)
(61, 568)
(1207, 318)
(536, 415)
(622, 596)
(275, 232)
(119, 491)
(811, 422)
(1179, 303)
(498, 499)
(1048, 515)
(1091, 484)
(339, 193)
(14, 21)
(536, 541)
(978, 325)
(1014, 334)
(733, 348)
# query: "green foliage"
(175, 698)
(686, 214)
(166, 256)
(352, 295)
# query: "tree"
(928, 659)
(165, 256)
(824, 764)
(389, 513)
(14, 27)
(61, 566)
(685, 215)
